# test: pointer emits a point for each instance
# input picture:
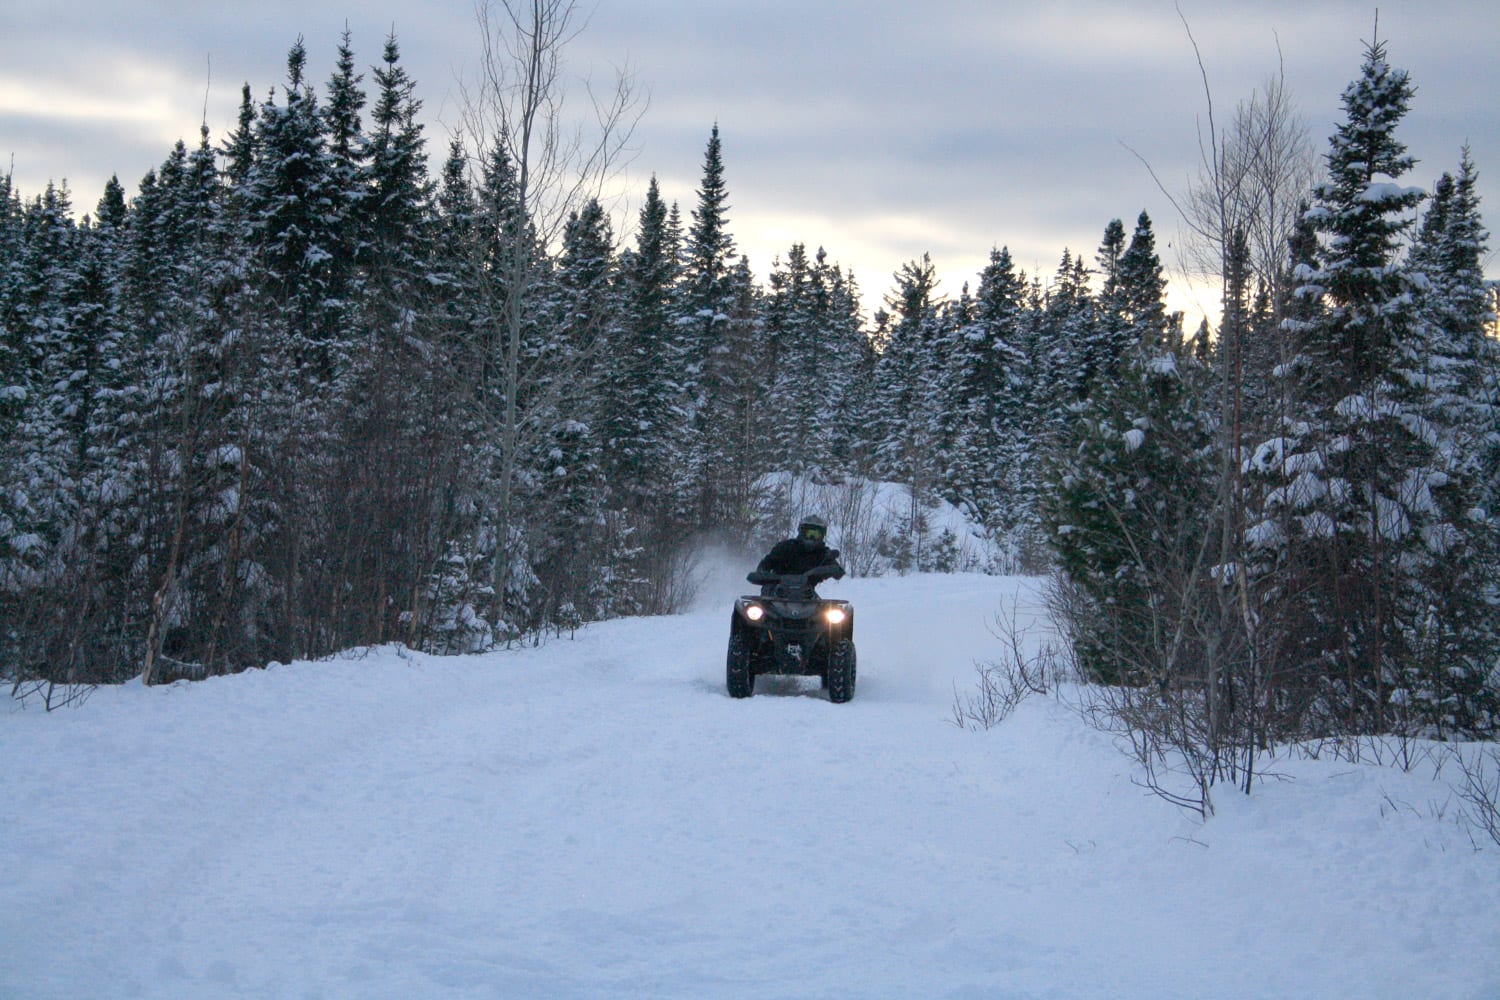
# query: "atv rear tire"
(737, 675)
(841, 671)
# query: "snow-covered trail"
(597, 818)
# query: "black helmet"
(811, 530)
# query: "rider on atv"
(806, 553)
(789, 629)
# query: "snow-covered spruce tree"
(498, 267)
(640, 409)
(910, 389)
(202, 499)
(92, 562)
(117, 484)
(39, 277)
(348, 167)
(16, 538)
(383, 494)
(397, 202)
(1068, 330)
(720, 372)
(846, 364)
(297, 319)
(1130, 486)
(1110, 336)
(447, 612)
(1461, 358)
(642, 414)
(39, 497)
(1370, 510)
(795, 367)
(1455, 365)
(238, 152)
(1140, 289)
(12, 242)
(577, 542)
(295, 211)
(979, 358)
(746, 413)
(1131, 516)
(64, 477)
(1029, 422)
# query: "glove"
(827, 571)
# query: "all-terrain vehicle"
(789, 629)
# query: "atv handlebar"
(796, 583)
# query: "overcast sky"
(880, 130)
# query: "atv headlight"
(835, 616)
(754, 612)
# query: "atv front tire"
(841, 671)
(737, 675)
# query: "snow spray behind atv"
(789, 629)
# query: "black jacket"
(791, 556)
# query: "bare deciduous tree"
(1032, 662)
(1240, 214)
(515, 107)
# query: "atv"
(789, 629)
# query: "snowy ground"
(597, 818)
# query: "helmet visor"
(811, 533)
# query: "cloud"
(879, 130)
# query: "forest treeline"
(300, 392)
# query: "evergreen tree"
(196, 477)
(575, 534)
(449, 269)
(1129, 512)
(17, 538)
(294, 211)
(1004, 468)
(642, 406)
(345, 101)
(1455, 364)
(643, 416)
(1368, 513)
(1141, 285)
(910, 391)
(846, 367)
(399, 192)
(14, 381)
(240, 146)
(1110, 335)
(795, 368)
(710, 249)
(348, 157)
(1459, 367)
(41, 494)
(972, 383)
(989, 441)
(743, 427)
(1130, 500)
(37, 497)
(719, 401)
(1070, 319)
